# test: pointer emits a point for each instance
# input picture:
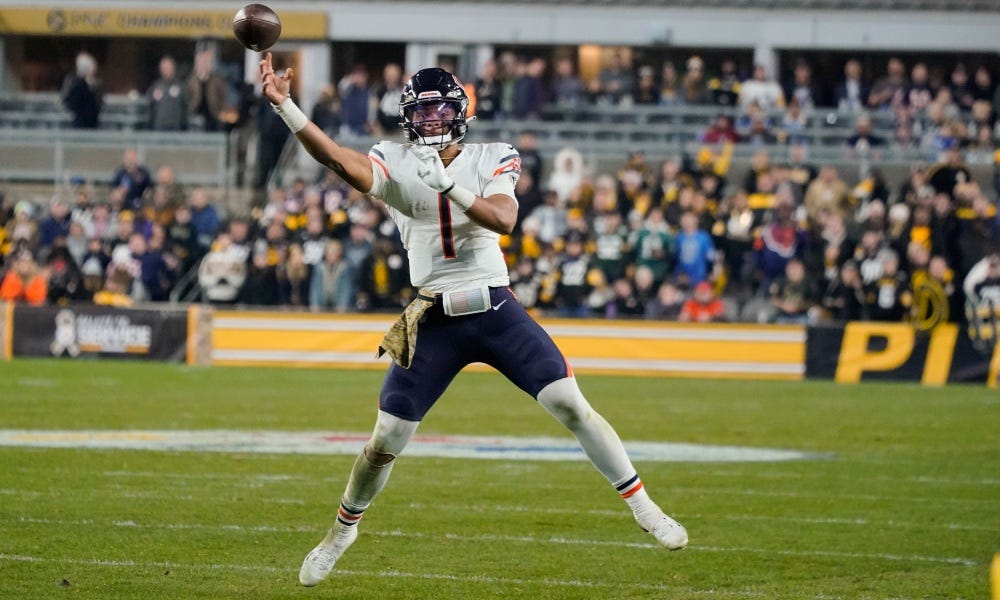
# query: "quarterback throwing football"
(451, 201)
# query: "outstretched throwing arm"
(353, 166)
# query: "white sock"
(598, 439)
(646, 512)
(367, 479)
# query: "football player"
(451, 202)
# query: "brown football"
(257, 27)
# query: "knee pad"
(564, 400)
(389, 438)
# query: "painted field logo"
(445, 446)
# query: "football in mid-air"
(257, 27)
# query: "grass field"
(905, 502)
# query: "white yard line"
(484, 579)
(278, 477)
(493, 538)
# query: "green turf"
(907, 505)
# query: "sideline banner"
(732, 351)
(873, 351)
(147, 22)
(96, 331)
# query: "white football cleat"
(670, 533)
(320, 561)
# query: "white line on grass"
(754, 474)
(527, 539)
(512, 581)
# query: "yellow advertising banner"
(144, 22)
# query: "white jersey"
(447, 251)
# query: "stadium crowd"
(685, 238)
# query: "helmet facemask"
(437, 123)
(432, 109)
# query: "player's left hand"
(431, 169)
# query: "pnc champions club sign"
(147, 23)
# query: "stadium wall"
(201, 335)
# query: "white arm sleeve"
(379, 180)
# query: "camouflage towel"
(401, 339)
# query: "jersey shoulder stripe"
(511, 165)
(376, 156)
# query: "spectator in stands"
(130, 182)
(844, 300)
(793, 125)
(617, 83)
(695, 252)
(567, 174)
(526, 282)
(851, 93)
(326, 111)
(950, 171)
(889, 297)
(671, 91)
(780, 241)
(624, 303)
(759, 133)
(167, 97)
(725, 89)
(64, 280)
(260, 288)
(918, 93)
(982, 84)
(738, 223)
(721, 130)
(293, 277)
(667, 304)
(889, 92)
(827, 192)
(206, 91)
(864, 143)
(204, 217)
(761, 90)
(611, 244)
(356, 100)
(961, 88)
(489, 92)
(386, 95)
(646, 91)
(222, 272)
(81, 93)
(114, 291)
(529, 91)
(25, 281)
(803, 88)
(531, 158)
(182, 239)
(703, 306)
(331, 286)
(55, 225)
(792, 294)
(695, 89)
(167, 195)
(801, 172)
(151, 277)
(653, 246)
(567, 89)
(576, 278)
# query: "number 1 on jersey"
(447, 238)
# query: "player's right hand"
(275, 88)
(431, 169)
